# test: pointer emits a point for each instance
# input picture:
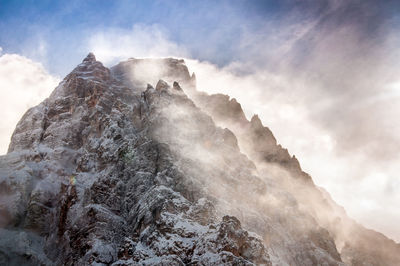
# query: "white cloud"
(358, 182)
(23, 84)
(318, 88)
(113, 44)
(320, 112)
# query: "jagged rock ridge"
(109, 170)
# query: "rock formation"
(111, 171)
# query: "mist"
(323, 76)
(331, 98)
(270, 199)
(328, 89)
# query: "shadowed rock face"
(111, 171)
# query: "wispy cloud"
(114, 44)
(323, 75)
(324, 78)
(327, 89)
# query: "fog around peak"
(323, 76)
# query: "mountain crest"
(162, 85)
(107, 172)
(89, 58)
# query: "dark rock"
(162, 85)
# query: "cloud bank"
(23, 84)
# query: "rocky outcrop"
(256, 140)
(356, 243)
(94, 184)
(112, 171)
(259, 144)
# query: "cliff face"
(109, 170)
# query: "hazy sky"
(323, 75)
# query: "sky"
(324, 75)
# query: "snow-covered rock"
(112, 171)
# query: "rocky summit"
(133, 165)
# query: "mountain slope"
(357, 244)
(109, 170)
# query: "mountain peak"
(256, 120)
(161, 84)
(90, 58)
(160, 177)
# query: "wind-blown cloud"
(324, 78)
(329, 92)
(23, 84)
(323, 75)
(114, 44)
(364, 184)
